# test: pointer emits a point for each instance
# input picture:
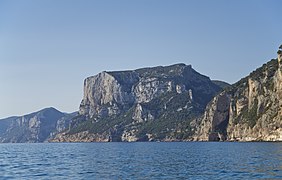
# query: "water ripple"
(191, 160)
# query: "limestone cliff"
(141, 105)
(250, 110)
(107, 94)
(35, 127)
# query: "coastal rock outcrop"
(145, 104)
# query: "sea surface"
(179, 160)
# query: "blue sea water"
(182, 160)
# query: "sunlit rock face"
(251, 110)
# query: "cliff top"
(268, 69)
(172, 70)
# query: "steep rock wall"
(253, 111)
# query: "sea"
(142, 160)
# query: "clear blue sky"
(48, 47)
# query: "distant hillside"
(35, 127)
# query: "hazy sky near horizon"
(48, 47)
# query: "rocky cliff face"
(35, 127)
(250, 110)
(106, 94)
(142, 105)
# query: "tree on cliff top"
(280, 50)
